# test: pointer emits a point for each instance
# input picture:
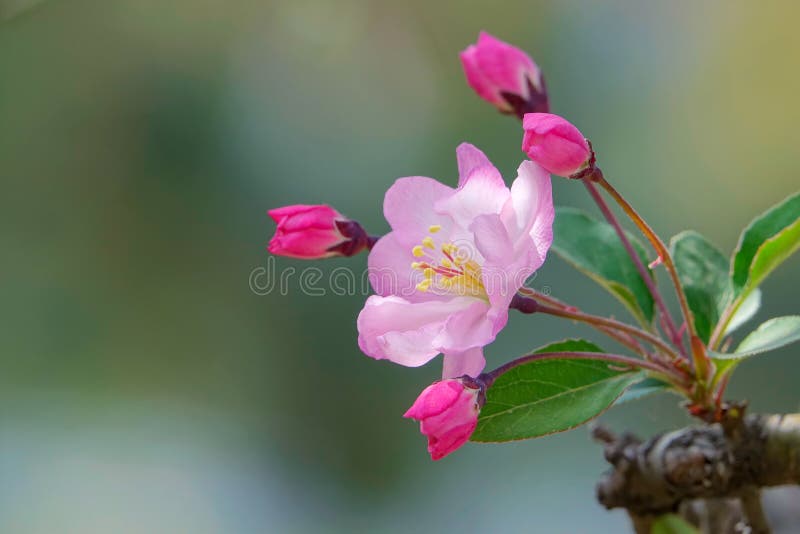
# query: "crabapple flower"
(315, 232)
(447, 412)
(555, 144)
(504, 76)
(446, 273)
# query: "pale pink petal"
(483, 192)
(469, 327)
(492, 239)
(532, 197)
(469, 158)
(470, 363)
(407, 333)
(390, 273)
(409, 207)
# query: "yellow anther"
(424, 285)
(448, 248)
(428, 272)
(417, 251)
(446, 263)
(435, 228)
(428, 242)
(416, 265)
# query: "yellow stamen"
(447, 268)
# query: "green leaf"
(704, 275)
(766, 243)
(645, 388)
(773, 334)
(546, 396)
(672, 524)
(746, 311)
(594, 248)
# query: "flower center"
(447, 268)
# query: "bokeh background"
(144, 387)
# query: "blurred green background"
(145, 388)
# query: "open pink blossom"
(448, 414)
(315, 232)
(504, 76)
(555, 144)
(446, 273)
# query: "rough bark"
(725, 466)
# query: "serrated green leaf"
(773, 334)
(547, 396)
(672, 524)
(593, 247)
(704, 275)
(645, 388)
(765, 243)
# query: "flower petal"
(405, 332)
(532, 197)
(483, 191)
(476, 79)
(467, 328)
(435, 399)
(470, 362)
(390, 273)
(409, 207)
(469, 158)
(505, 66)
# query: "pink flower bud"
(504, 76)
(314, 232)
(555, 144)
(448, 414)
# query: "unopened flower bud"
(448, 414)
(314, 232)
(504, 76)
(555, 144)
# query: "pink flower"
(504, 76)
(555, 144)
(447, 412)
(314, 232)
(446, 273)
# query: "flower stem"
(620, 337)
(490, 377)
(598, 321)
(670, 328)
(658, 245)
(702, 363)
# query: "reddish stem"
(668, 323)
